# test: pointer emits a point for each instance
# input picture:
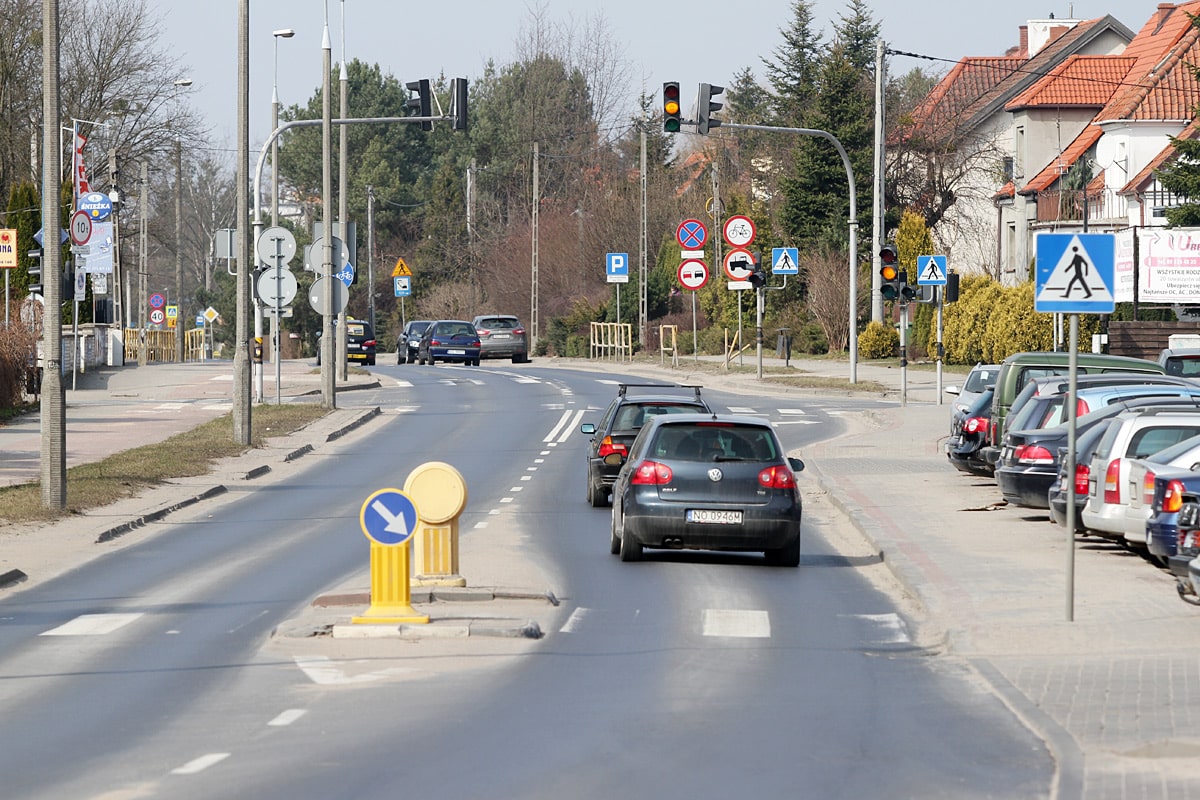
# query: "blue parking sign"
(617, 270)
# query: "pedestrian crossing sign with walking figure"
(1074, 273)
(931, 270)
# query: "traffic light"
(757, 277)
(671, 109)
(35, 272)
(707, 107)
(420, 105)
(458, 103)
(908, 293)
(951, 293)
(889, 272)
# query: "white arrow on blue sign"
(388, 516)
(617, 270)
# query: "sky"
(660, 40)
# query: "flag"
(79, 170)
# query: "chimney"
(1024, 41)
(1164, 11)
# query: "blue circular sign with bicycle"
(388, 517)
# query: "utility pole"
(328, 352)
(143, 265)
(370, 255)
(241, 349)
(877, 232)
(343, 369)
(533, 287)
(643, 308)
(53, 405)
(178, 251)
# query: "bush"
(878, 341)
(810, 340)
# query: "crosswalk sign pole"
(1073, 387)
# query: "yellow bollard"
(389, 517)
(440, 493)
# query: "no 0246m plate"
(711, 517)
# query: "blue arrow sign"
(388, 517)
(41, 232)
(346, 276)
(1074, 273)
(931, 270)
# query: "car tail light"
(483, 331)
(1148, 489)
(777, 477)
(651, 473)
(1173, 497)
(518, 331)
(435, 343)
(608, 447)
(977, 425)
(369, 343)
(1082, 473)
(1112, 482)
(1081, 408)
(1033, 454)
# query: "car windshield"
(633, 416)
(715, 442)
(980, 379)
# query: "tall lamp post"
(179, 84)
(283, 33)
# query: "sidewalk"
(1111, 691)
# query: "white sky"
(703, 41)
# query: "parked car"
(1140, 481)
(502, 336)
(410, 340)
(708, 482)
(360, 342)
(1173, 492)
(1028, 465)
(622, 420)
(449, 340)
(981, 378)
(968, 434)
(1020, 368)
(1131, 434)
(1181, 361)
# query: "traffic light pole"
(903, 354)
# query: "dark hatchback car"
(622, 420)
(708, 482)
(969, 435)
(410, 340)
(502, 336)
(360, 342)
(449, 340)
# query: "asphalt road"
(154, 673)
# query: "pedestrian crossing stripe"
(785, 261)
(931, 270)
(1074, 273)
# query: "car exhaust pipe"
(673, 541)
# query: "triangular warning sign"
(1074, 278)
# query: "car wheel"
(614, 541)
(371, 363)
(597, 495)
(630, 550)
(399, 357)
(786, 556)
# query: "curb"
(495, 628)
(154, 516)
(12, 578)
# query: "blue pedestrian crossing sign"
(785, 261)
(617, 269)
(1074, 273)
(388, 516)
(931, 270)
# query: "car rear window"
(356, 329)
(1149, 441)
(633, 416)
(499, 323)
(454, 330)
(717, 441)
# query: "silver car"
(502, 336)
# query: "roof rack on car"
(622, 387)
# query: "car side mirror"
(588, 428)
(796, 464)
(951, 389)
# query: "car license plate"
(456, 352)
(501, 336)
(710, 517)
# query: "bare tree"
(824, 271)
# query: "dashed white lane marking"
(791, 411)
(737, 623)
(889, 628)
(531, 469)
(287, 717)
(526, 477)
(606, 380)
(480, 525)
(200, 764)
(515, 488)
(406, 409)
(741, 410)
(506, 499)
(575, 620)
(539, 461)
(544, 453)
(92, 625)
(403, 384)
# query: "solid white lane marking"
(200, 764)
(575, 620)
(566, 434)
(737, 623)
(890, 628)
(92, 625)
(562, 421)
(287, 717)
(606, 380)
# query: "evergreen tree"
(1182, 179)
(793, 75)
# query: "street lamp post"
(179, 84)
(283, 33)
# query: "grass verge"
(130, 472)
(783, 376)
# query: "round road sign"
(739, 230)
(734, 260)
(316, 296)
(157, 300)
(693, 274)
(691, 234)
(276, 286)
(81, 228)
(275, 246)
(157, 317)
(388, 517)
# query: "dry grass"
(128, 473)
(783, 376)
